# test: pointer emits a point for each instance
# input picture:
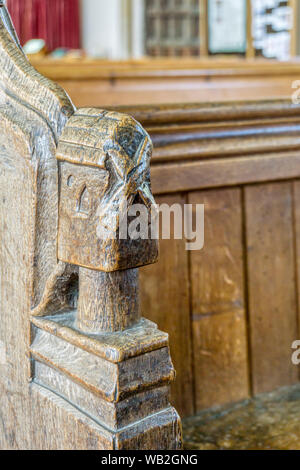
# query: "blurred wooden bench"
(157, 81)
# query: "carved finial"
(104, 160)
(104, 166)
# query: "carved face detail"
(104, 165)
(128, 164)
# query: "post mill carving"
(90, 371)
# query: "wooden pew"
(157, 81)
(231, 309)
(79, 367)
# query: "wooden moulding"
(198, 146)
(204, 131)
(161, 68)
(155, 432)
(118, 380)
(111, 381)
(143, 337)
(114, 415)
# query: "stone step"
(267, 422)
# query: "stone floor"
(270, 421)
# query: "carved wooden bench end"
(97, 368)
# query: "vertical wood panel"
(250, 52)
(220, 351)
(271, 274)
(165, 300)
(296, 203)
(219, 319)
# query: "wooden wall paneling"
(218, 304)
(271, 284)
(296, 207)
(165, 298)
(294, 4)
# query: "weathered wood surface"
(33, 113)
(218, 302)
(242, 161)
(61, 388)
(168, 80)
(103, 156)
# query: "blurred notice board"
(227, 26)
(271, 28)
